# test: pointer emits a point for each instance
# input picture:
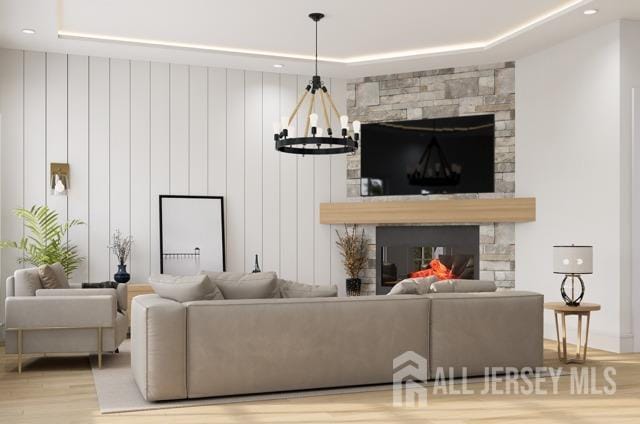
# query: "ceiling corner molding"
(540, 20)
(469, 47)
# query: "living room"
(406, 211)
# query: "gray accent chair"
(233, 347)
(74, 320)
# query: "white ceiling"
(357, 37)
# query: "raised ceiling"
(357, 37)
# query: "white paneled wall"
(132, 130)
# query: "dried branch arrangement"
(121, 246)
(353, 248)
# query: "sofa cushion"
(239, 285)
(185, 288)
(292, 289)
(53, 276)
(413, 286)
(27, 281)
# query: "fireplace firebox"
(420, 251)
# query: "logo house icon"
(409, 377)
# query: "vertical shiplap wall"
(132, 130)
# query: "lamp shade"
(573, 259)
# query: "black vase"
(353, 286)
(122, 276)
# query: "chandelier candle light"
(319, 141)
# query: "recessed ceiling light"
(278, 65)
(28, 31)
(590, 11)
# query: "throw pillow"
(413, 286)
(185, 288)
(407, 286)
(27, 281)
(292, 289)
(425, 283)
(53, 276)
(444, 286)
(473, 286)
(238, 285)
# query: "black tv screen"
(428, 156)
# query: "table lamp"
(572, 261)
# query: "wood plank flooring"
(61, 390)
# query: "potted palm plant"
(46, 242)
(353, 248)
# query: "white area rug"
(118, 392)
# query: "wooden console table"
(562, 309)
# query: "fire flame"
(436, 268)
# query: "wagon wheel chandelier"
(315, 140)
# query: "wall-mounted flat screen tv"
(428, 156)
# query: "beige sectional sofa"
(231, 347)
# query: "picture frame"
(192, 234)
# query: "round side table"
(562, 309)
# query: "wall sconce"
(59, 182)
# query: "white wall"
(132, 130)
(630, 124)
(573, 156)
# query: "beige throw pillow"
(27, 282)
(473, 286)
(441, 287)
(413, 286)
(292, 289)
(238, 285)
(185, 288)
(53, 276)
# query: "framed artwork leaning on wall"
(191, 234)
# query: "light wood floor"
(60, 390)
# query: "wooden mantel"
(454, 211)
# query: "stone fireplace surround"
(447, 92)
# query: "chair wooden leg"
(19, 351)
(99, 347)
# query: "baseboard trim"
(616, 343)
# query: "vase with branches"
(353, 248)
(121, 248)
(46, 242)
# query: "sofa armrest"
(60, 311)
(473, 331)
(159, 347)
(76, 292)
(120, 293)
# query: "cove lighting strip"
(381, 57)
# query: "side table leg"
(586, 337)
(564, 336)
(558, 334)
(579, 344)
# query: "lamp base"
(573, 300)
